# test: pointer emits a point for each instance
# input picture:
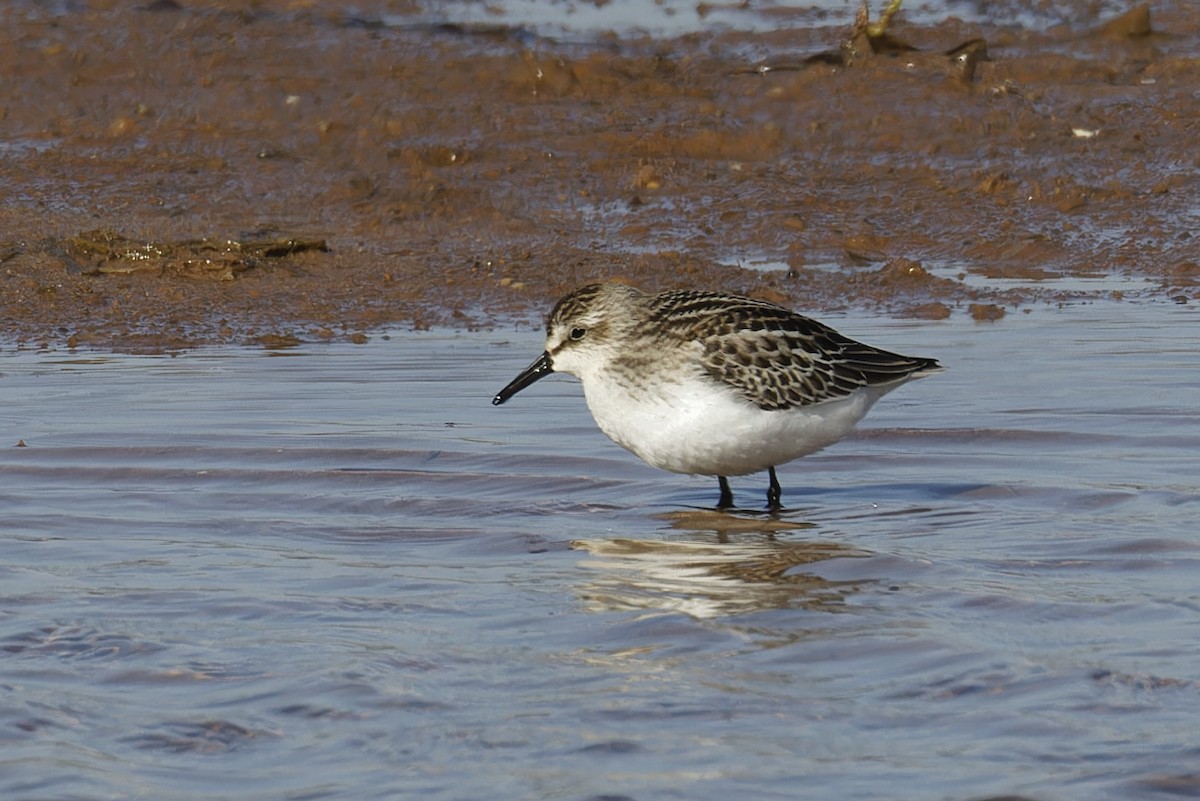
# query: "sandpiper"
(713, 384)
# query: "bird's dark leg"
(774, 491)
(726, 499)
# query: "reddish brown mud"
(462, 176)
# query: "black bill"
(539, 369)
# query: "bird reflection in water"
(727, 565)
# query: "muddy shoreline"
(464, 176)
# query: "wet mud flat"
(460, 174)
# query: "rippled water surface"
(339, 572)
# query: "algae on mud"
(109, 253)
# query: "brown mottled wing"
(775, 358)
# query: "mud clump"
(109, 253)
(986, 312)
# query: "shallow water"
(676, 18)
(339, 572)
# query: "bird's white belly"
(696, 426)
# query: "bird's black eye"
(577, 333)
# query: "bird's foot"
(774, 493)
(725, 502)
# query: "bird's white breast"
(692, 424)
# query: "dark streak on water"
(345, 574)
